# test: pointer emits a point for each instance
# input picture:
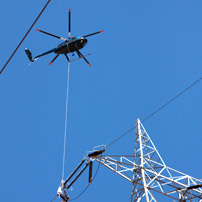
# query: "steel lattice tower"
(148, 173)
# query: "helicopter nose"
(85, 40)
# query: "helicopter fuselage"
(71, 45)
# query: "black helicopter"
(70, 45)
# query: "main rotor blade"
(93, 33)
(80, 55)
(53, 59)
(51, 34)
(69, 23)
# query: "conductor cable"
(155, 112)
(25, 36)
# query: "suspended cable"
(25, 36)
(163, 98)
(167, 103)
(155, 112)
(117, 139)
(65, 132)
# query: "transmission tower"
(148, 173)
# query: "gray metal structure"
(149, 175)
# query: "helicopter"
(70, 45)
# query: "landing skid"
(79, 58)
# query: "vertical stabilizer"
(29, 55)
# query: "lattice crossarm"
(113, 169)
(128, 160)
(186, 178)
(177, 187)
(127, 164)
(179, 176)
(176, 182)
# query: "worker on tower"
(62, 194)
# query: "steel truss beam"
(148, 173)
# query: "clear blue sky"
(149, 52)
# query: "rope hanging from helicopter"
(65, 131)
(66, 184)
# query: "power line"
(117, 139)
(25, 36)
(155, 112)
(167, 103)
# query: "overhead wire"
(155, 112)
(65, 131)
(120, 137)
(25, 36)
(167, 103)
(171, 91)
